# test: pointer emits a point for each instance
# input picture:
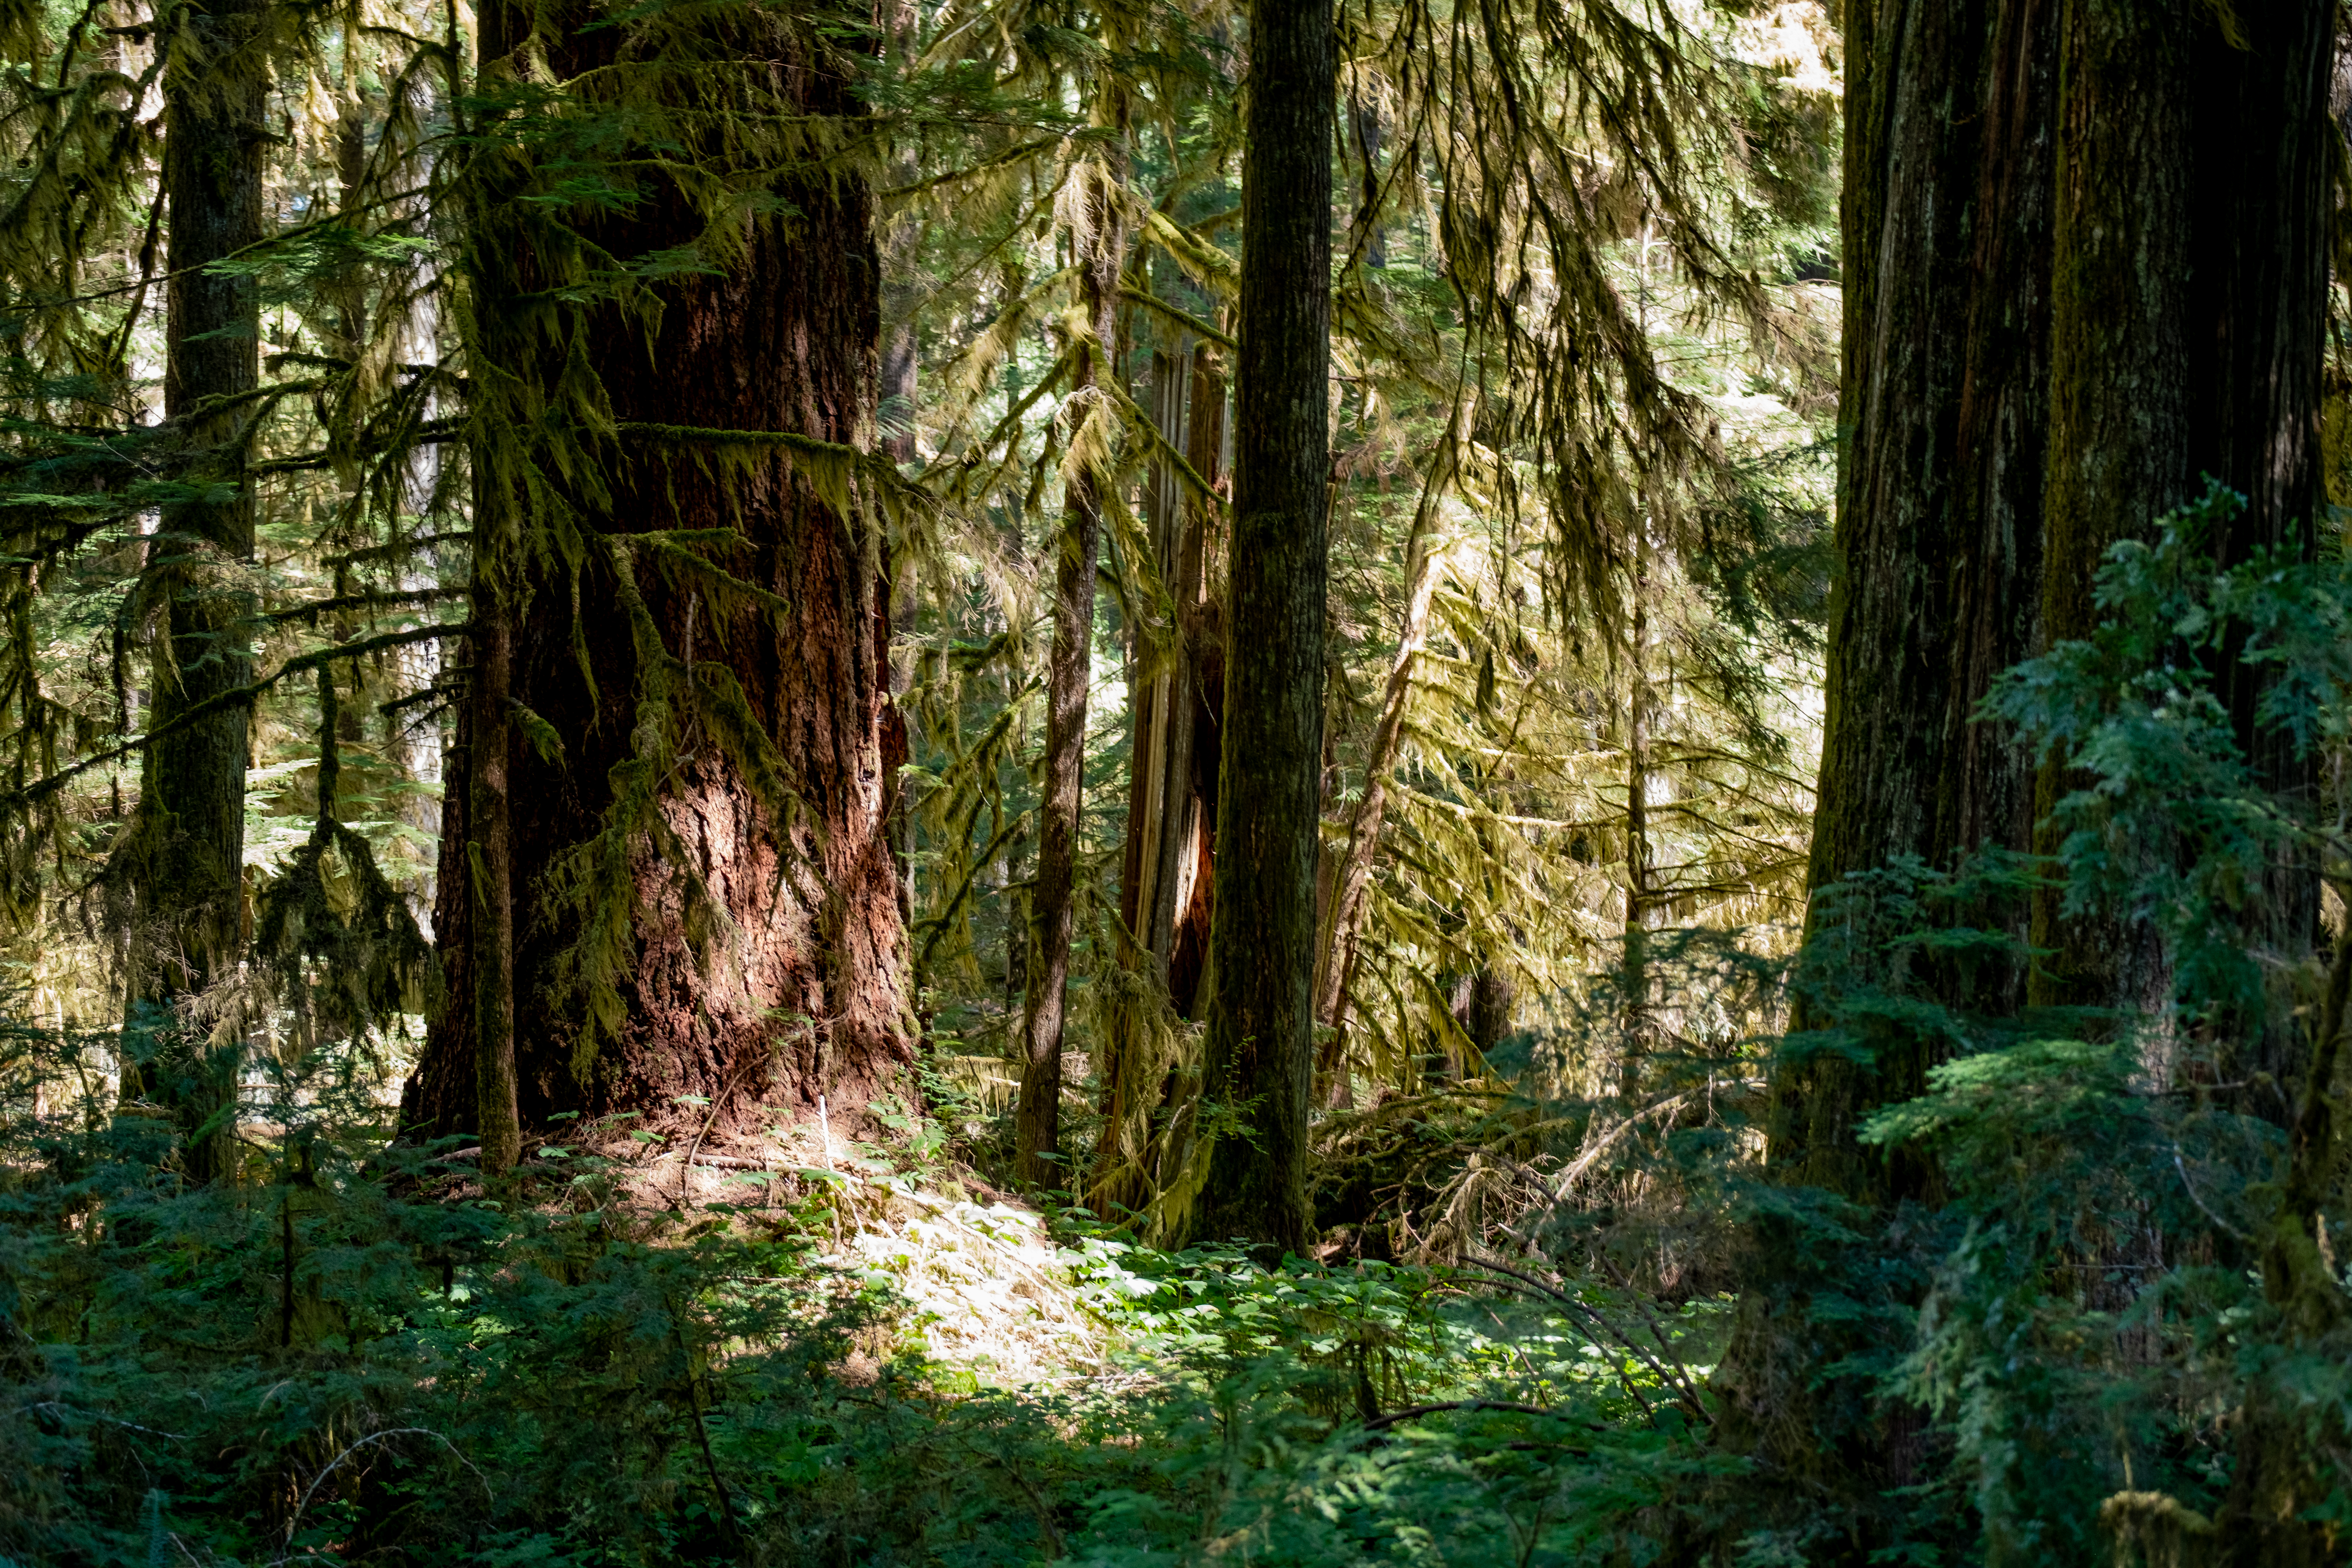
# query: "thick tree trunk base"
(762, 961)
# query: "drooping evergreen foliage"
(641, 730)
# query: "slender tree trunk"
(1053, 903)
(1261, 1013)
(901, 361)
(1335, 969)
(185, 867)
(488, 871)
(1639, 898)
(1372, 236)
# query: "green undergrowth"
(351, 1356)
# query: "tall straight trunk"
(2190, 284)
(1949, 185)
(1053, 908)
(1639, 899)
(2119, 408)
(901, 361)
(1260, 1061)
(760, 950)
(1946, 234)
(1370, 233)
(488, 874)
(186, 849)
(2083, 266)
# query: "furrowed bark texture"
(2119, 408)
(2083, 269)
(1949, 158)
(2190, 287)
(1259, 1066)
(1950, 151)
(786, 980)
(1053, 908)
(186, 868)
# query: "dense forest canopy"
(999, 782)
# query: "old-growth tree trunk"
(2119, 406)
(183, 865)
(1951, 150)
(1053, 908)
(1950, 160)
(2083, 269)
(1260, 1063)
(2017, 342)
(2190, 297)
(715, 947)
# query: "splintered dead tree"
(697, 898)
(1167, 866)
(1259, 1070)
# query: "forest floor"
(978, 1281)
(811, 1343)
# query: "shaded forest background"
(1034, 782)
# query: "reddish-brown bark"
(798, 989)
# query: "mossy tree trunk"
(1159, 827)
(182, 859)
(1336, 958)
(1259, 1068)
(739, 938)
